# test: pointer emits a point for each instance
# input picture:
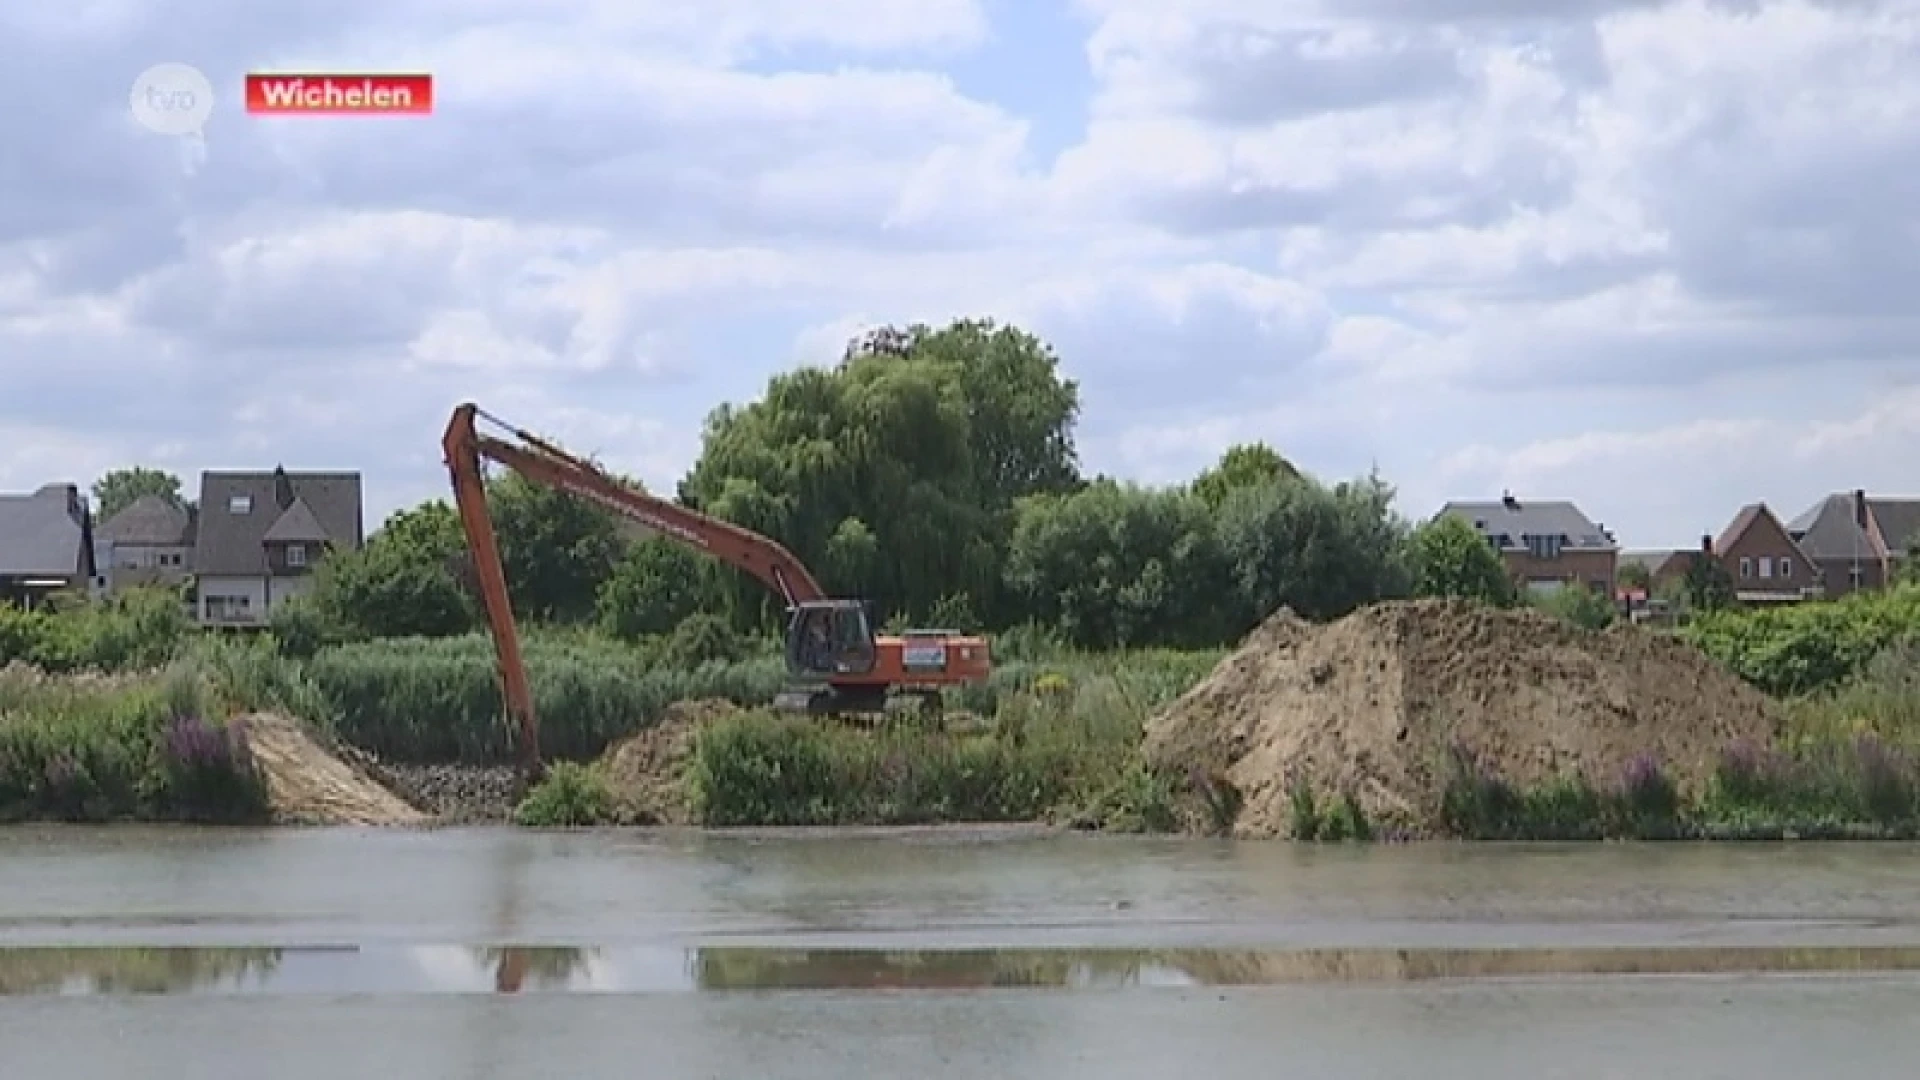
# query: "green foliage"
(1244, 465)
(1070, 754)
(120, 488)
(401, 584)
(1709, 587)
(139, 630)
(1577, 604)
(418, 700)
(1320, 551)
(657, 585)
(894, 475)
(556, 549)
(571, 795)
(1449, 557)
(1477, 803)
(1114, 566)
(99, 748)
(1812, 646)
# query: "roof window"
(239, 504)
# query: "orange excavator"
(836, 664)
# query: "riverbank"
(1408, 720)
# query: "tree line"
(932, 472)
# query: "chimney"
(1860, 507)
(282, 487)
(1507, 500)
(1706, 543)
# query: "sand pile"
(1373, 703)
(648, 771)
(308, 784)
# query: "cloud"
(1478, 243)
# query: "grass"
(1054, 735)
(103, 748)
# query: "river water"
(944, 954)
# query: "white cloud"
(1653, 256)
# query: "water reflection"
(460, 969)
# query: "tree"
(895, 475)
(1121, 565)
(654, 588)
(1709, 585)
(407, 581)
(1244, 465)
(1635, 575)
(1321, 552)
(1449, 557)
(1908, 570)
(118, 489)
(556, 549)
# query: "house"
(149, 542)
(46, 544)
(1545, 545)
(1663, 566)
(260, 534)
(1762, 558)
(1857, 541)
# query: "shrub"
(571, 795)
(1810, 647)
(100, 748)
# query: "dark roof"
(1827, 530)
(45, 534)
(149, 519)
(297, 524)
(1899, 521)
(234, 543)
(1520, 518)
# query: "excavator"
(836, 664)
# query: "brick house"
(1546, 546)
(1764, 561)
(1856, 541)
(260, 534)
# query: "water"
(977, 953)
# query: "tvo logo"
(172, 99)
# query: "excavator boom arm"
(541, 462)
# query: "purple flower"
(192, 743)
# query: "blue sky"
(1655, 257)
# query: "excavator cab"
(829, 638)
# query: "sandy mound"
(309, 785)
(648, 771)
(1372, 704)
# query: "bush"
(571, 795)
(102, 748)
(1067, 755)
(138, 631)
(1810, 647)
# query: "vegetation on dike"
(934, 473)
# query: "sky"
(1656, 258)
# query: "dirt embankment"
(1372, 704)
(648, 771)
(310, 784)
(313, 782)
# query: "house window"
(296, 554)
(1856, 577)
(1766, 567)
(1786, 568)
(240, 504)
(1746, 567)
